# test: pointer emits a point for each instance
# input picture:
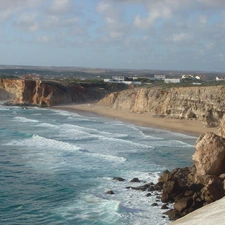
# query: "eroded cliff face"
(203, 103)
(49, 93)
(46, 93)
(34, 92)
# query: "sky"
(119, 34)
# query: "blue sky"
(130, 34)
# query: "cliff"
(206, 104)
(49, 93)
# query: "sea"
(56, 168)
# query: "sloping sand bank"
(192, 127)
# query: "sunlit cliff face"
(201, 103)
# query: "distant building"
(118, 78)
(187, 76)
(122, 81)
(159, 77)
(172, 80)
(31, 76)
(220, 78)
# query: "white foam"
(24, 119)
(171, 143)
(66, 113)
(47, 125)
(127, 142)
(46, 143)
(109, 157)
(126, 206)
(73, 130)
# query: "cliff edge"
(50, 93)
(206, 104)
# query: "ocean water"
(56, 167)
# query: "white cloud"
(114, 27)
(103, 7)
(61, 6)
(153, 15)
(43, 39)
(27, 22)
(11, 7)
(182, 37)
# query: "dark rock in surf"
(118, 178)
(135, 180)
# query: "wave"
(109, 157)
(127, 142)
(171, 143)
(48, 125)
(90, 132)
(24, 119)
(65, 113)
(46, 143)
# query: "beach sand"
(191, 127)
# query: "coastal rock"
(213, 190)
(135, 180)
(110, 192)
(183, 203)
(50, 92)
(221, 129)
(118, 178)
(205, 104)
(209, 157)
(189, 191)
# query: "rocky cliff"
(203, 103)
(49, 93)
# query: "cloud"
(182, 37)
(61, 6)
(11, 7)
(151, 30)
(153, 15)
(27, 22)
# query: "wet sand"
(191, 127)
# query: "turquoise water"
(56, 167)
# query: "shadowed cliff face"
(49, 93)
(203, 103)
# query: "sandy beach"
(191, 127)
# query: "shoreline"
(189, 127)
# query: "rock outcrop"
(209, 157)
(49, 93)
(206, 104)
(192, 187)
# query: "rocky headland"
(190, 188)
(45, 93)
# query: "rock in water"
(209, 157)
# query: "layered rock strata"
(206, 104)
(49, 93)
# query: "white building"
(118, 78)
(172, 80)
(159, 77)
(220, 78)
